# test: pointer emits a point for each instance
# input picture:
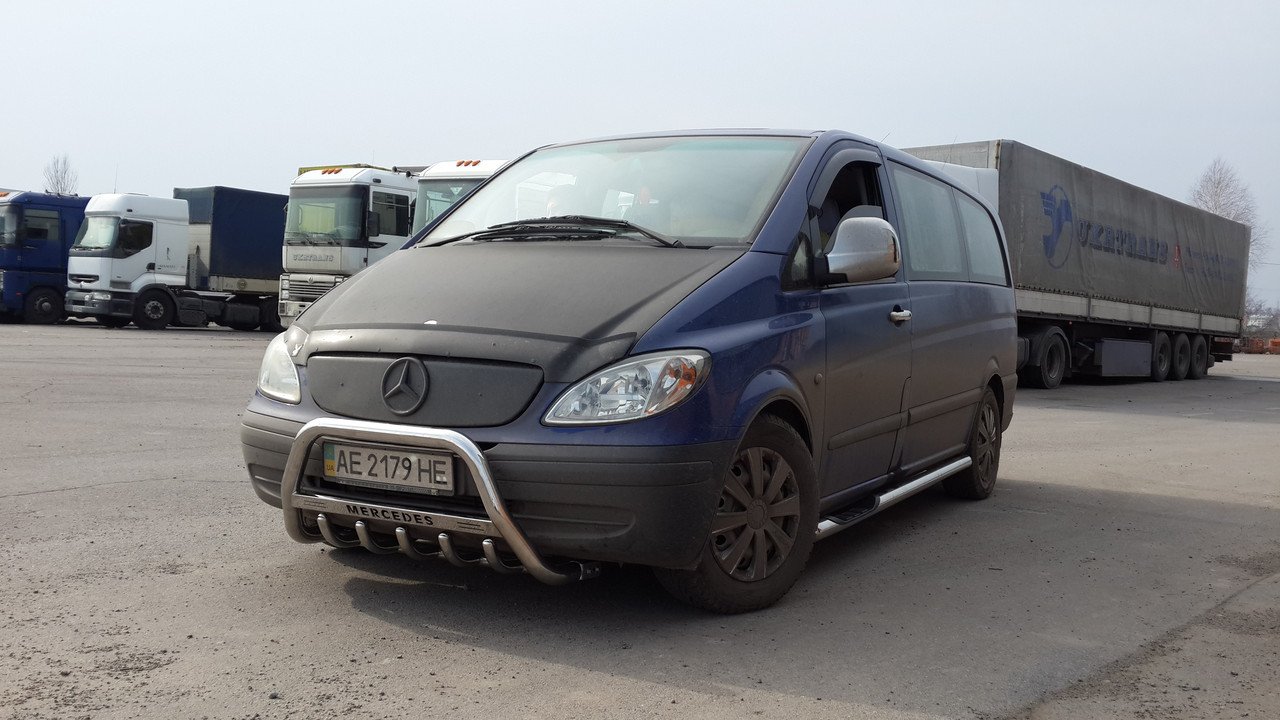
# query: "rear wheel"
(153, 311)
(44, 307)
(978, 480)
(1161, 357)
(1199, 365)
(1181, 357)
(764, 526)
(1048, 373)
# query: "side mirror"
(864, 249)
(373, 224)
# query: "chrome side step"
(831, 525)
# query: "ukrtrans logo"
(1057, 245)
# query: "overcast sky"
(148, 96)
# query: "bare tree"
(1220, 191)
(59, 177)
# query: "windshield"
(9, 218)
(699, 190)
(435, 195)
(97, 235)
(325, 216)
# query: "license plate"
(389, 468)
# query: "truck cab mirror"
(864, 249)
(373, 224)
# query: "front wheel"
(153, 311)
(764, 526)
(978, 480)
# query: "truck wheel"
(978, 480)
(269, 312)
(1052, 367)
(764, 527)
(1199, 365)
(44, 307)
(1181, 357)
(153, 311)
(1161, 356)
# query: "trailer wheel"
(1048, 372)
(1199, 366)
(153, 311)
(1181, 357)
(978, 480)
(44, 307)
(1161, 357)
(764, 526)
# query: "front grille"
(459, 393)
(307, 290)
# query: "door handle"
(899, 316)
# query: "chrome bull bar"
(498, 524)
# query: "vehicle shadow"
(1043, 582)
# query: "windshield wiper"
(565, 227)
(311, 238)
(591, 221)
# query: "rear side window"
(986, 258)
(930, 227)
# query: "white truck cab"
(445, 183)
(128, 245)
(340, 220)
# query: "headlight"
(1, 280)
(278, 378)
(637, 388)
(100, 296)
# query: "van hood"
(565, 307)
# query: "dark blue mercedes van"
(696, 351)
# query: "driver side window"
(134, 237)
(855, 192)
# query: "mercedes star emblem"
(404, 386)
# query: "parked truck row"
(239, 258)
(1111, 280)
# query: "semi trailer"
(1111, 279)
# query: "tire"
(978, 480)
(111, 321)
(1052, 367)
(764, 527)
(44, 307)
(1199, 365)
(269, 312)
(1181, 357)
(153, 310)
(1161, 357)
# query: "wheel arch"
(775, 392)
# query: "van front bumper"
(551, 510)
